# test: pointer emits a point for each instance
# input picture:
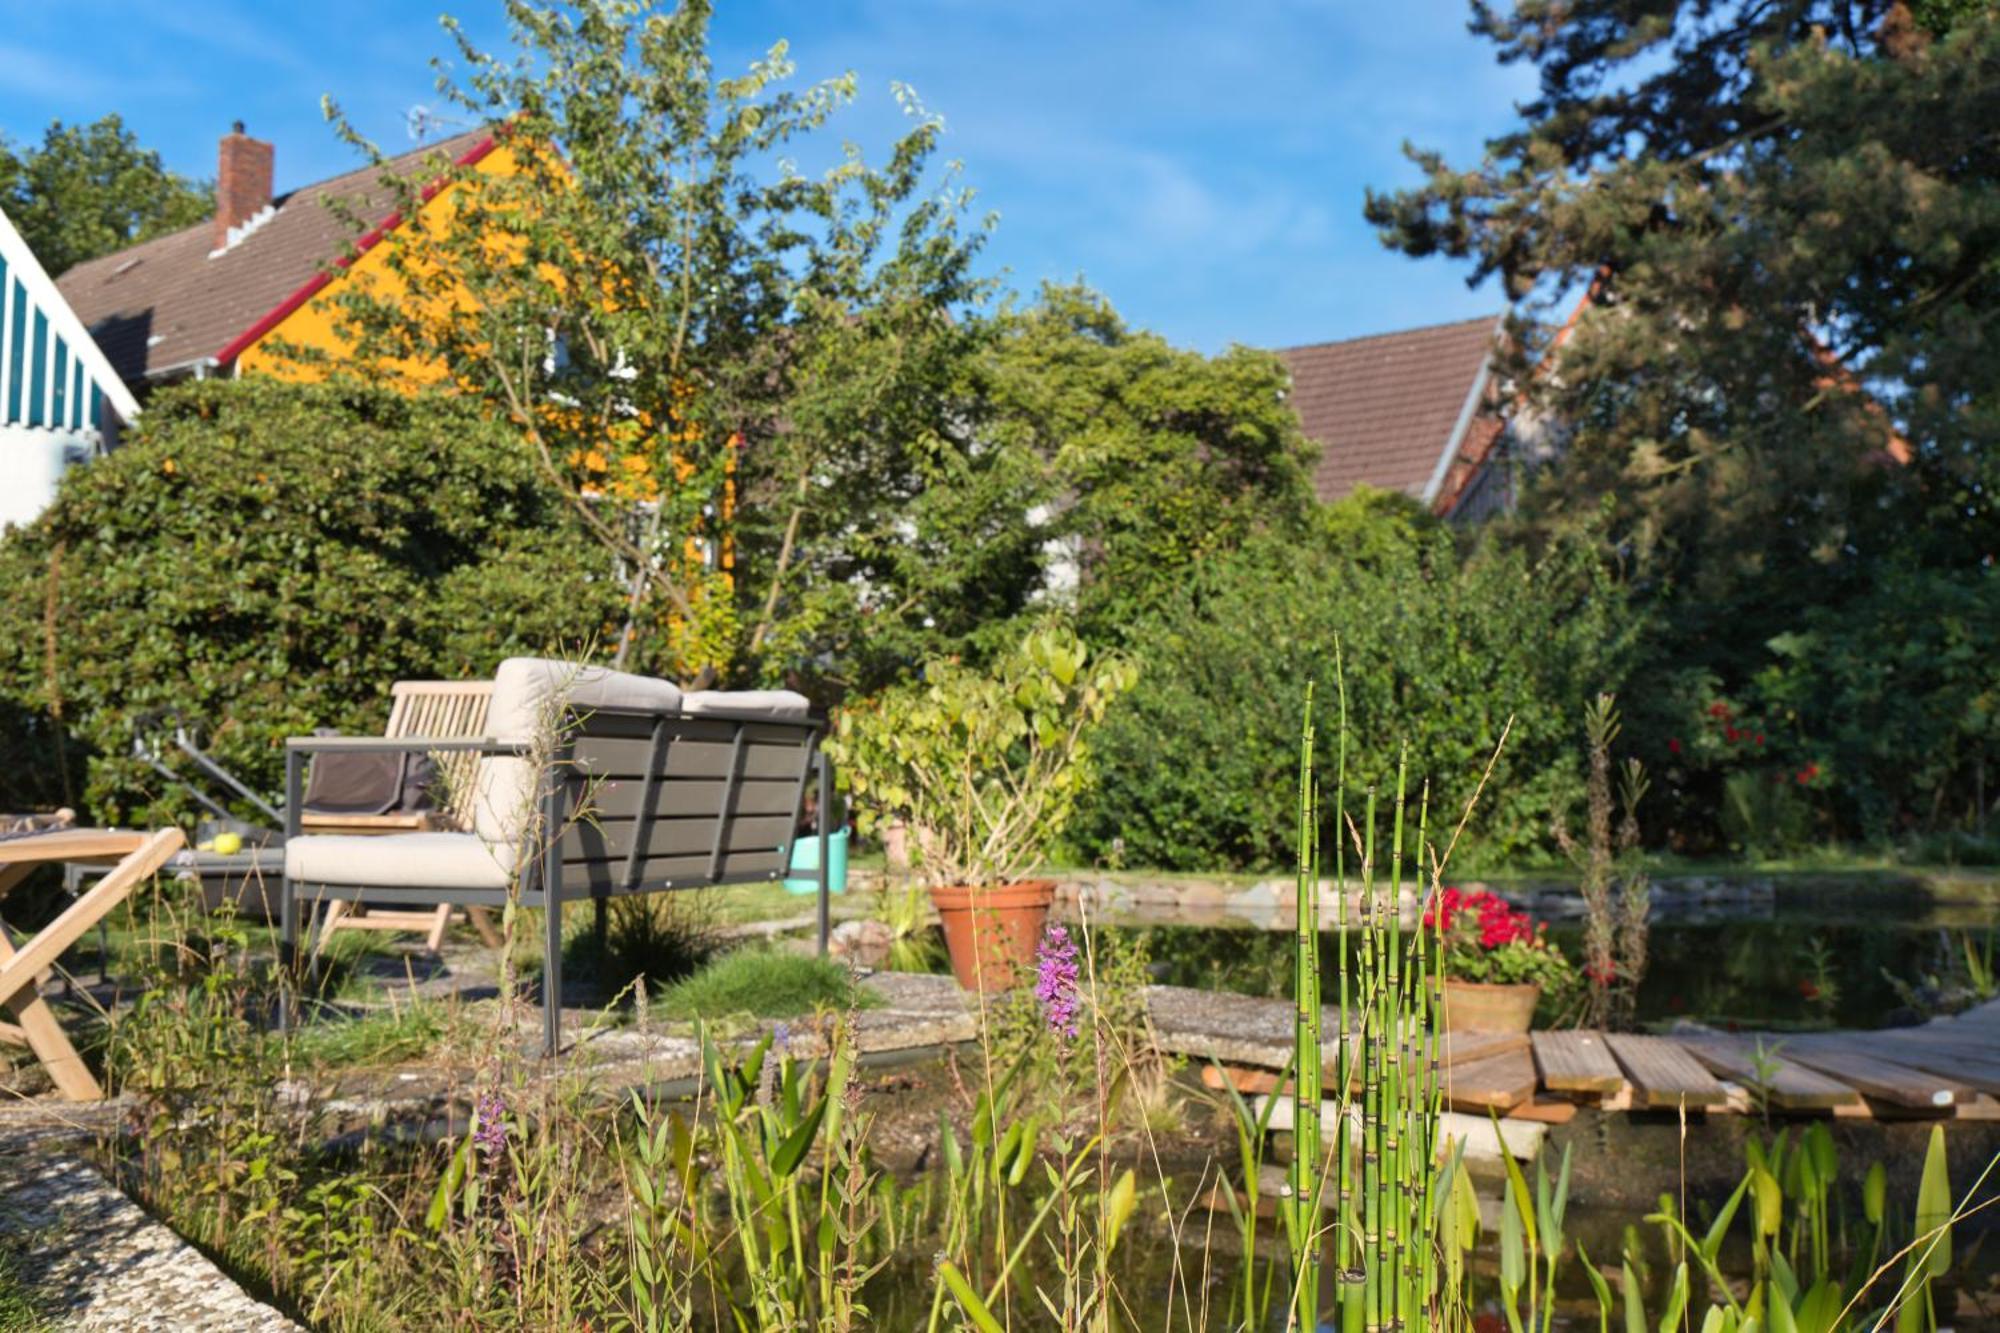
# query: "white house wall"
(60, 400)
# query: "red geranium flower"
(1673, 745)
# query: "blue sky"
(1202, 163)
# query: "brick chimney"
(242, 181)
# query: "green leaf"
(1874, 1194)
(1711, 1244)
(1599, 1287)
(1523, 1199)
(1677, 1299)
(1770, 1201)
(1820, 1308)
(968, 1299)
(1634, 1299)
(1779, 1313)
(1118, 1207)
(454, 1177)
(793, 1151)
(1513, 1260)
(1934, 1208)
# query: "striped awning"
(52, 374)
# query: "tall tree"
(707, 349)
(1787, 218)
(88, 190)
(1154, 458)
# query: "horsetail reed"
(1302, 1213)
(1388, 1095)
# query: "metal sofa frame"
(629, 801)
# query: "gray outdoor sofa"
(592, 784)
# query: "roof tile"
(168, 302)
(1382, 408)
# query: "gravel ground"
(100, 1263)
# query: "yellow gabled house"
(224, 296)
(250, 290)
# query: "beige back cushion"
(529, 695)
(772, 703)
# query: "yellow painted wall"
(315, 326)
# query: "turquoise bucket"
(805, 864)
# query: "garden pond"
(1809, 953)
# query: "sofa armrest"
(402, 744)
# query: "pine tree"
(1781, 388)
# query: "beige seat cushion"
(773, 703)
(529, 694)
(417, 860)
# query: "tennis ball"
(228, 844)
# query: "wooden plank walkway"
(1578, 1062)
(1664, 1074)
(1787, 1086)
(1884, 1080)
(1946, 1068)
(1501, 1082)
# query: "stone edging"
(100, 1262)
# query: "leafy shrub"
(1196, 764)
(1893, 692)
(985, 768)
(268, 558)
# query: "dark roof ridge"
(175, 301)
(1493, 319)
(455, 147)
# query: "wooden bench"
(454, 709)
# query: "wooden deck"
(1949, 1067)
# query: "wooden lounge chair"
(593, 784)
(453, 709)
(133, 857)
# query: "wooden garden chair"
(450, 710)
(133, 858)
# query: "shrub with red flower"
(1485, 938)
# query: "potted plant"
(983, 768)
(1498, 962)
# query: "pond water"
(1800, 957)
(1194, 1283)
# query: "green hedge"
(267, 559)
(1198, 763)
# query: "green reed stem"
(1304, 1201)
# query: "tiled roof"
(167, 302)
(1383, 408)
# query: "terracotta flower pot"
(991, 932)
(1477, 1006)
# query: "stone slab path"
(100, 1263)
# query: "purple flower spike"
(490, 1135)
(1055, 980)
